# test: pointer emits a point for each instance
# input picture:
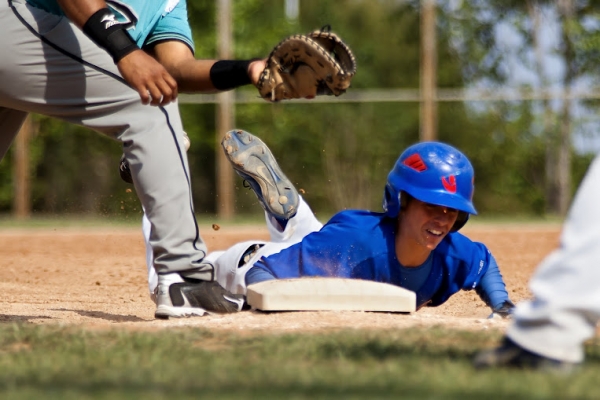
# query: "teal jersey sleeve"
(173, 25)
(148, 22)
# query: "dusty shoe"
(509, 354)
(253, 161)
(180, 297)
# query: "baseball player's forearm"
(222, 75)
(193, 76)
(491, 288)
(205, 76)
(257, 274)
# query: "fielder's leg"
(566, 285)
(548, 332)
(55, 70)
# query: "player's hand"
(504, 310)
(149, 78)
(256, 68)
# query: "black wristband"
(103, 28)
(229, 74)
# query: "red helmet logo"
(450, 183)
(415, 162)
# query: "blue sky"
(522, 73)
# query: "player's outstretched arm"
(492, 291)
(205, 76)
(144, 74)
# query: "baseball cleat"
(188, 298)
(253, 161)
(511, 355)
(124, 170)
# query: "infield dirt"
(97, 278)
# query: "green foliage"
(384, 37)
(6, 183)
(70, 363)
(74, 170)
(340, 153)
(508, 162)
(201, 15)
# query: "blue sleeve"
(353, 244)
(174, 25)
(491, 288)
(257, 274)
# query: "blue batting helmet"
(434, 173)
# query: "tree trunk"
(21, 174)
(566, 9)
(549, 130)
(428, 71)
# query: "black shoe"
(124, 170)
(194, 298)
(509, 354)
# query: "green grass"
(54, 362)
(37, 221)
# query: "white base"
(327, 294)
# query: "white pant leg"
(226, 262)
(566, 285)
(302, 224)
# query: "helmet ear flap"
(391, 201)
(403, 199)
(461, 220)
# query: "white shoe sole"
(164, 312)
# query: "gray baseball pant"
(48, 66)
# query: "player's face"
(427, 224)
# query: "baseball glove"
(304, 66)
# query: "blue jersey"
(361, 245)
(146, 21)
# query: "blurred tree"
(525, 25)
(346, 150)
(339, 153)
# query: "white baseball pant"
(228, 271)
(566, 285)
